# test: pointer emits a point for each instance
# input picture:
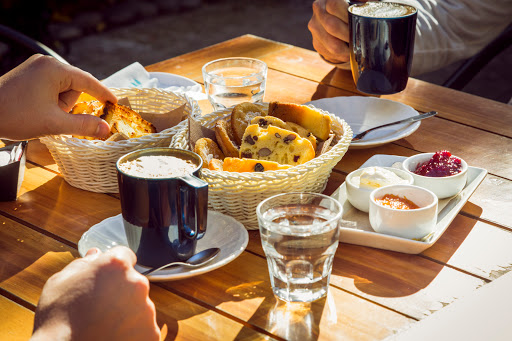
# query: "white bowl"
(360, 197)
(443, 187)
(411, 224)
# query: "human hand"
(329, 28)
(98, 297)
(35, 98)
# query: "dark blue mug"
(163, 216)
(381, 45)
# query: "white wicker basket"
(238, 194)
(91, 164)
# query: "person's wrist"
(52, 330)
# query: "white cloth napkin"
(135, 76)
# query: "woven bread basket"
(238, 194)
(91, 164)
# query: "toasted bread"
(126, 121)
(241, 115)
(208, 149)
(313, 120)
(225, 140)
(121, 119)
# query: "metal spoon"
(407, 120)
(195, 261)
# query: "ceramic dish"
(362, 113)
(223, 232)
(359, 197)
(443, 187)
(407, 223)
(356, 228)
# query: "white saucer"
(222, 231)
(362, 113)
(166, 80)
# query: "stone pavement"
(144, 34)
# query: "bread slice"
(125, 121)
(265, 121)
(122, 120)
(225, 140)
(208, 149)
(275, 144)
(241, 116)
(313, 120)
(232, 164)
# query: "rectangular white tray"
(355, 224)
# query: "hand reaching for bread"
(255, 140)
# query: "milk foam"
(382, 10)
(157, 166)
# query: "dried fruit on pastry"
(122, 120)
(314, 121)
(232, 164)
(276, 144)
(265, 121)
(241, 115)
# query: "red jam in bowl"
(441, 164)
(396, 202)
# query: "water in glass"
(236, 85)
(300, 250)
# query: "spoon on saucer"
(407, 120)
(195, 261)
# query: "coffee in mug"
(381, 45)
(164, 203)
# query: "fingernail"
(92, 251)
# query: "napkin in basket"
(136, 76)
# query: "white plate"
(166, 80)
(222, 231)
(362, 113)
(356, 228)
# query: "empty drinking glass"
(300, 235)
(230, 81)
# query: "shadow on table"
(246, 280)
(385, 273)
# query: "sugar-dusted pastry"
(275, 144)
(232, 164)
(313, 120)
(208, 149)
(241, 116)
(225, 140)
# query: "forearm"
(451, 30)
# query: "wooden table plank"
(410, 284)
(242, 288)
(16, 322)
(30, 258)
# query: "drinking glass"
(230, 81)
(300, 235)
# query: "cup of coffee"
(381, 45)
(164, 203)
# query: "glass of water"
(300, 235)
(230, 81)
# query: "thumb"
(81, 125)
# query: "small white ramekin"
(411, 224)
(360, 197)
(443, 187)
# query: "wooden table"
(373, 293)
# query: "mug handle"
(194, 208)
